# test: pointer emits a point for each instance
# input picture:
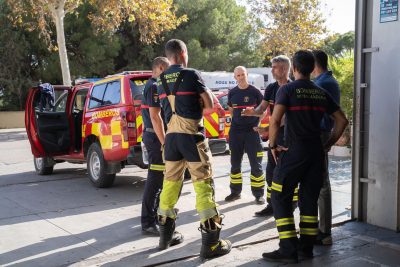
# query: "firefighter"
(185, 145)
(280, 72)
(152, 189)
(302, 158)
(243, 138)
(325, 80)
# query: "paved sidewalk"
(355, 244)
(62, 220)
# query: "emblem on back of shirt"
(155, 98)
(246, 99)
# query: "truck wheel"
(97, 167)
(43, 166)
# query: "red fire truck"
(99, 123)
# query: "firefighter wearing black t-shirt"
(243, 138)
(301, 161)
(152, 189)
(280, 72)
(186, 145)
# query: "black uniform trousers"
(249, 142)
(269, 172)
(302, 164)
(154, 182)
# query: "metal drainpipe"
(358, 127)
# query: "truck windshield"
(137, 86)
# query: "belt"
(150, 130)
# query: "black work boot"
(276, 256)
(211, 245)
(267, 211)
(323, 239)
(168, 235)
(305, 251)
(260, 200)
(232, 197)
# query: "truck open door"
(48, 130)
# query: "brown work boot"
(211, 245)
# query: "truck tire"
(97, 167)
(43, 166)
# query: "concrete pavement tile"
(16, 152)
(10, 209)
(372, 255)
(250, 255)
(68, 194)
(40, 243)
(114, 229)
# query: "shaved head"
(240, 69)
(240, 74)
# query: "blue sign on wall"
(389, 10)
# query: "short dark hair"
(174, 47)
(159, 61)
(321, 59)
(303, 62)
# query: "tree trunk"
(58, 16)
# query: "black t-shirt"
(305, 104)
(187, 96)
(270, 94)
(150, 99)
(239, 99)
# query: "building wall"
(12, 119)
(378, 191)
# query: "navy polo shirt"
(150, 99)
(327, 82)
(306, 103)
(239, 99)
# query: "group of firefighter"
(306, 121)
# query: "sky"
(340, 15)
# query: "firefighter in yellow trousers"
(184, 95)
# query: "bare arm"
(207, 99)
(341, 123)
(158, 125)
(258, 111)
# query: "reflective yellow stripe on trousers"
(157, 167)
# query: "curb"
(13, 136)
